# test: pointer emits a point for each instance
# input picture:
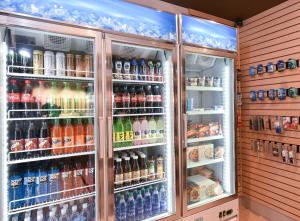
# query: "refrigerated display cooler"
(208, 104)
(141, 84)
(49, 130)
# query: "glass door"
(142, 138)
(209, 129)
(49, 131)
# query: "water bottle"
(85, 216)
(147, 204)
(27, 218)
(155, 202)
(63, 215)
(52, 216)
(121, 209)
(75, 215)
(130, 213)
(163, 199)
(15, 218)
(139, 206)
(91, 208)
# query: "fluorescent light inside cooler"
(4, 134)
(170, 164)
(228, 128)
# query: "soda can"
(292, 92)
(190, 104)
(201, 81)
(60, 64)
(261, 95)
(126, 68)
(38, 62)
(260, 69)
(209, 81)
(217, 82)
(270, 67)
(280, 66)
(291, 64)
(253, 95)
(78, 65)
(252, 71)
(49, 62)
(88, 65)
(118, 69)
(272, 94)
(70, 65)
(281, 93)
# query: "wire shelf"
(138, 146)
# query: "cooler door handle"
(110, 138)
(101, 128)
(184, 131)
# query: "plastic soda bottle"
(79, 136)
(57, 138)
(152, 130)
(160, 130)
(63, 215)
(137, 134)
(41, 185)
(53, 182)
(128, 131)
(121, 209)
(139, 208)
(89, 135)
(145, 131)
(15, 189)
(29, 185)
(119, 132)
(68, 132)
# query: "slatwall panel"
(270, 36)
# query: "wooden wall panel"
(268, 37)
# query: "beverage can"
(270, 67)
(260, 69)
(78, 66)
(88, 65)
(49, 63)
(281, 93)
(38, 62)
(60, 64)
(70, 65)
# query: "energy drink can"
(49, 63)
(70, 65)
(38, 62)
(60, 64)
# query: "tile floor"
(248, 215)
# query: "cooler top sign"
(208, 34)
(115, 15)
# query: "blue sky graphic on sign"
(115, 15)
(208, 34)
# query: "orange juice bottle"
(89, 135)
(68, 132)
(57, 138)
(79, 136)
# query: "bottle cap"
(39, 217)
(135, 157)
(27, 82)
